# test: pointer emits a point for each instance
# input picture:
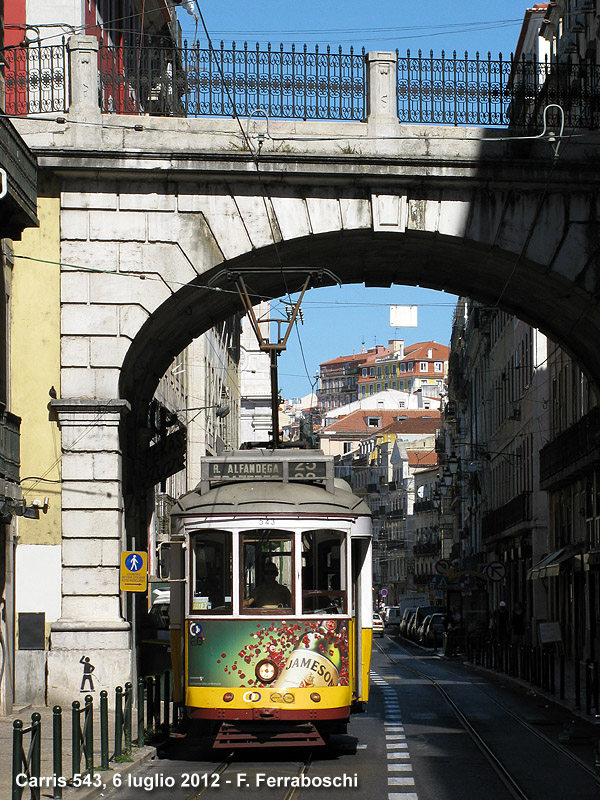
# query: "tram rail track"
(217, 780)
(516, 791)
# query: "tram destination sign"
(276, 468)
(266, 470)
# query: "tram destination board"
(268, 469)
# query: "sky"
(339, 320)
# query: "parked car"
(378, 626)
(416, 622)
(393, 618)
(405, 621)
(432, 630)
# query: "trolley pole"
(274, 398)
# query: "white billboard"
(403, 316)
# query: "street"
(435, 729)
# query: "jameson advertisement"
(302, 653)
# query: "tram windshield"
(211, 571)
(267, 569)
(323, 572)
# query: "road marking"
(397, 753)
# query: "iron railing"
(296, 83)
(156, 712)
(195, 82)
(453, 90)
(36, 79)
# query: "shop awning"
(551, 565)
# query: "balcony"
(426, 549)
(10, 452)
(572, 452)
(19, 206)
(516, 511)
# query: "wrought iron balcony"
(572, 451)
(10, 448)
(512, 513)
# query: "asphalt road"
(409, 745)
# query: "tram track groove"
(216, 773)
(499, 768)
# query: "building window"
(438, 366)
(402, 367)
(365, 372)
(371, 372)
(373, 422)
(379, 372)
(410, 366)
(401, 386)
(424, 366)
(394, 384)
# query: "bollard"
(167, 699)
(57, 751)
(17, 758)
(149, 702)
(75, 738)
(118, 721)
(140, 714)
(88, 727)
(35, 761)
(104, 758)
(127, 719)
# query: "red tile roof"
(422, 458)
(421, 419)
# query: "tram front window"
(267, 570)
(323, 572)
(211, 572)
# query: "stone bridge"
(158, 214)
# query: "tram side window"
(324, 572)
(211, 572)
(267, 570)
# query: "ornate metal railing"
(453, 90)
(36, 79)
(194, 82)
(324, 84)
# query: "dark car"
(417, 620)
(405, 621)
(432, 630)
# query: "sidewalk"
(138, 755)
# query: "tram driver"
(269, 593)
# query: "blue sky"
(338, 320)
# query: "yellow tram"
(271, 598)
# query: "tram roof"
(258, 497)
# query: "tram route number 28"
(307, 469)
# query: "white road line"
(398, 757)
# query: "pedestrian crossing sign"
(134, 571)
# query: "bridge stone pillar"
(83, 87)
(91, 625)
(382, 115)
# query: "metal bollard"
(17, 758)
(118, 721)
(127, 719)
(167, 700)
(140, 714)
(75, 738)
(88, 726)
(57, 750)
(104, 757)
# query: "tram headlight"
(266, 670)
(228, 697)
(315, 697)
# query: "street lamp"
(453, 464)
